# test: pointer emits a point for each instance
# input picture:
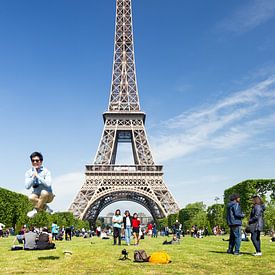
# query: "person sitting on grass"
(30, 238)
(175, 240)
(45, 240)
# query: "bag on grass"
(160, 258)
(140, 256)
(16, 247)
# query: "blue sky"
(206, 79)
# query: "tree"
(14, 208)
(269, 215)
(215, 215)
(162, 223)
(247, 189)
(193, 214)
(172, 219)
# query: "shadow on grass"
(48, 258)
(224, 252)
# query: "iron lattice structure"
(107, 182)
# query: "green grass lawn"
(191, 256)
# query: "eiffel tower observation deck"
(106, 182)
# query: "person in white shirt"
(39, 178)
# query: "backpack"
(140, 256)
(160, 258)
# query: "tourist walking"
(117, 221)
(136, 228)
(234, 216)
(39, 178)
(256, 222)
(127, 222)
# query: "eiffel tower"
(107, 182)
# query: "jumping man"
(39, 178)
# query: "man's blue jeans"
(128, 232)
(235, 238)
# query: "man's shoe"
(229, 252)
(237, 254)
(32, 213)
(48, 210)
(257, 254)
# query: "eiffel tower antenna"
(106, 182)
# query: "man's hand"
(35, 175)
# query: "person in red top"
(150, 229)
(135, 225)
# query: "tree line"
(199, 214)
(14, 208)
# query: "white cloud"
(227, 123)
(249, 16)
(65, 188)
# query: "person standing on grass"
(117, 221)
(127, 221)
(39, 178)
(234, 216)
(256, 219)
(155, 231)
(55, 229)
(149, 230)
(136, 228)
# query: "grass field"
(96, 256)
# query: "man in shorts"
(39, 178)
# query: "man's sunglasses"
(36, 160)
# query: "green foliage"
(215, 215)
(193, 214)
(63, 219)
(162, 223)
(13, 208)
(269, 215)
(172, 219)
(248, 188)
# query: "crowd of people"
(128, 227)
(33, 239)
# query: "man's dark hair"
(260, 200)
(45, 229)
(36, 154)
(234, 197)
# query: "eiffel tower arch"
(106, 182)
